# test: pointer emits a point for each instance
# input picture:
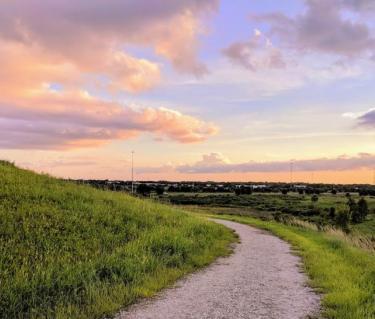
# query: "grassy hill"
(69, 251)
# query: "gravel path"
(261, 279)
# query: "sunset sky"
(199, 89)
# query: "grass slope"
(69, 251)
(346, 275)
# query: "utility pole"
(132, 172)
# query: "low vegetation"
(70, 251)
(344, 274)
(350, 212)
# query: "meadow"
(72, 251)
(269, 205)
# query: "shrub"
(342, 220)
(362, 209)
(332, 213)
(314, 198)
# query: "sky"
(214, 90)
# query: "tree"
(332, 213)
(342, 220)
(314, 198)
(353, 210)
(333, 192)
(160, 190)
(143, 189)
(362, 209)
(243, 190)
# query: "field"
(69, 251)
(267, 205)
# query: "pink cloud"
(256, 53)
(61, 120)
(323, 28)
(214, 163)
(86, 33)
(49, 41)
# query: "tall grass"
(343, 273)
(69, 251)
(353, 239)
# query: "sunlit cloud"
(91, 34)
(215, 164)
(61, 120)
(82, 44)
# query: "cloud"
(365, 6)
(367, 119)
(322, 28)
(256, 53)
(26, 68)
(87, 34)
(364, 119)
(60, 120)
(215, 164)
(48, 44)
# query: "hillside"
(70, 251)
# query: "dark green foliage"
(314, 198)
(143, 189)
(160, 190)
(332, 213)
(362, 209)
(243, 191)
(354, 210)
(342, 220)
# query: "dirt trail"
(261, 279)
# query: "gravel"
(261, 279)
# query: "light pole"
(132, 172)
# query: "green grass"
(69, 251)
(344, 274)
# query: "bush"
(342, 220)
(362, 209)
(332, 213)
(314, 198)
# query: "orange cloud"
(77, 43)
(91, 34)
(53, 120)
